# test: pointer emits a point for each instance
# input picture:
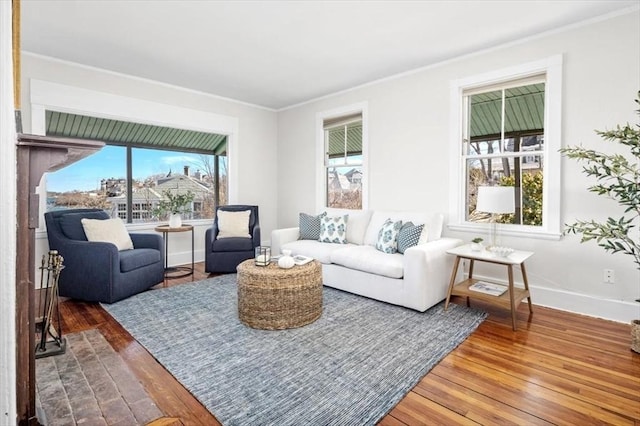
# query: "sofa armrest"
(279, 237)
(427, 271)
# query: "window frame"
(346, 161)
(321, 181)
(551, 67)
(45, 95)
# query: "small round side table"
(184, 271)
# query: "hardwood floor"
(558, 368)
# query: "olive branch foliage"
(619, 179)
(174, 203)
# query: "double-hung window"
(342, 141)
(508, 134)
(503, 145)
(343, 162)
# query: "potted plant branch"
(476, 244)
(174, 204)
(618, 178)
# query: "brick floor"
(90, 385)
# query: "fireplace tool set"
(51, 341)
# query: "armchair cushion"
(233, 244)
(134, 259)
(109, 231)
(233, 224)
(71, 223)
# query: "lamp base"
(493, 237)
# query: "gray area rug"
(350, 367)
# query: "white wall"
(409, 153)
(8, 409)
(255, 155)
(409, 138)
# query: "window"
(105, 116)
(342, 157)
(343, 162)
(508, 134)
(503, 145)
(100, 181)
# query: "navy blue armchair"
(225, 254)
(97, 271)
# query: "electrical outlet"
(608, 276)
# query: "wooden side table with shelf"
(509, 299)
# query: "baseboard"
(614, 310)
(609, 309)
(583, 304)
(184, 257)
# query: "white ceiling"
(280, 53)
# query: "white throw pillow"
(358, 222)
(233, 224)
(388, 236)
(333, 229)
(379, 217)
(108, 231)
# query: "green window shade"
(338, 146)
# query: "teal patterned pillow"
(310, 226)
(388, 236)
(409, 236)
(333, 229)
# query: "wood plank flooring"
(558, 368)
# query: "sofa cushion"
(333, 229)
(388, 236)
(379, 217)
(368, 259)
(433, 228)
(310, 226)
(134, 259)
(358, 223)
(71, 224)
(109, 231)
(409, 236)
(319, 251)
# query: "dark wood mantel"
(35, 156)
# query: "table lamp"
(495, 200)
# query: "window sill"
(509, 230)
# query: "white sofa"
(417, 279)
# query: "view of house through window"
(100, 181)
(503, 144)
(343, 161)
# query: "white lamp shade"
(496, 199)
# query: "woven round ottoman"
(272, 298)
